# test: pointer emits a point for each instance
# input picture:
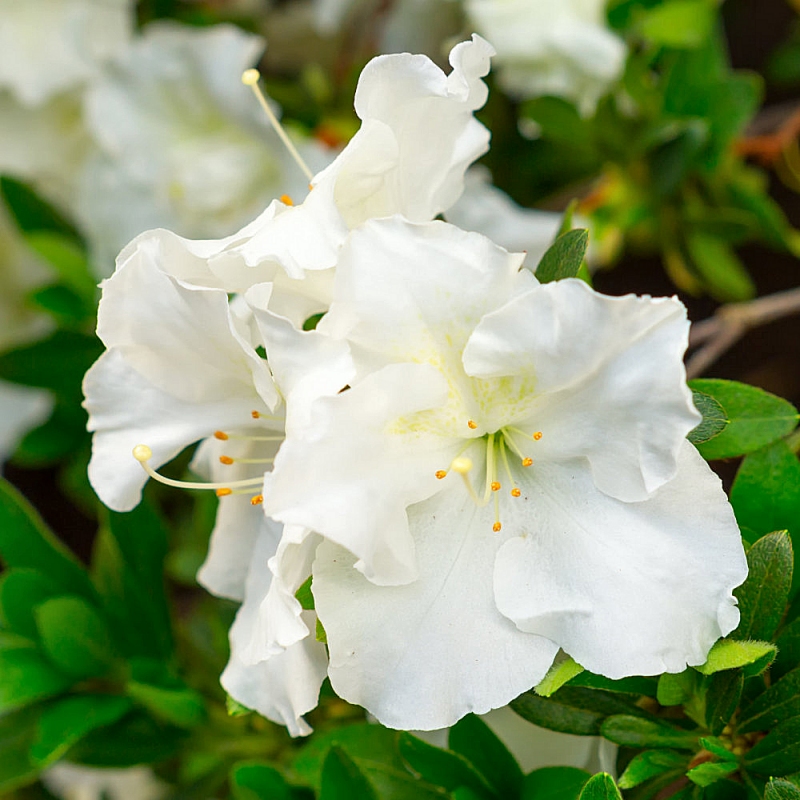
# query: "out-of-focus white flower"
(49, 46)
(182, 143)
(75, 782)
(559, 48)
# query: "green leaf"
(554, 783)
(560, 672)
(714, 420)
(778, 753)
(68, 259)
(710, 772)
(253, 780)
(651, 764)
(304, 596)
(721, 699)
(572, 710)
(26, 542)
(766, 493)
(636, 685)
(756, 418)
(26, 676)
(17, 733)
(475, 740)
(600, 787)
(21, 590)
(235, 708)
(781, 790)
(564, 257)
(675, 689)
(30, 212)
(777, 704)
(679, 23)
(74, 636)
(763, 596)
(723, 273)
(67, 721)
(717, 747)
(638, 732)
(165, 696)
(788, 650)
(443, 768)
(311, 323)
(342, 779)
(731, 653)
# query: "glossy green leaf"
(600, 787)
(778, 753)
(650, 764)
(572, 710)
(777, 704)
(444, 768)
(26, 542)
(678, 23)
(27, 676)
(721, 699)
(67, 721)
(74, 636)
(756, 418)
(638, 732)
(21, 590)
(714, 420)
(763, 596)
(560, 672)
(732, 653)
(342, 779)
(778, 789)
(474, 739)
(256, 781)
(554, 783)
(564, 257)
(710, 772)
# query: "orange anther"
(225, 460)
(496, 527)
(441, 473)
(224, 492)
(537, 435)
(526, 462)
(286, 200)
(221, 435)
(472, 424)
(495, 486)
(255, 414)
(257, 500)
(515, 492)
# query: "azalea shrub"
(358, 476)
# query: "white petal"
(609, 379)
(425, 654)
(624, 588)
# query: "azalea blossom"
(543, 48)
(505, 474)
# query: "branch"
(719, 333)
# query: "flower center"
(502, 447)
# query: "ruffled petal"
(625, 588)
(609, 381)
(423, 655)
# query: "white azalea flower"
(76, 782)
(48, 46)
(546, 48)
(182, 144)
(506, 474)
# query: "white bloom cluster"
(471, 469)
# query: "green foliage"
(564, 257)
(638, 732)
(714, 419)
(554, 783)
(342, 779)
(600, 787)
(778, 789)
(27, 676)
(677, 23)
(258, 781)
(729, 654)
(650, 764)
(561, 672)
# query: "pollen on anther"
(497, 527)
(472, 424)
(441, 473)
(255, 414)
(495, 486)
(286, 200)
(515, 492)
(223, 492)
(221, 435)
(257, 500)
(225, 460)
(526, 462)
(537, 435)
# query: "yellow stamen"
(497, 527)
(255, 414)
(472, 424)
(441, 473)
(221, 435)
(495, 486)
(515, 492)
(526, 462)
(224, 492)
(225, 460)
(286, 200)
(537, 435)
(257, 500)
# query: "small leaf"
(30, 212)
(26, 676)
(777, 704)
(472, 738)
(722, 697)
(676, 689)
(153, 686)
(235, 708)
(756, 418)
(559, 673)
(304, 596)
(564, 257)
(64, 723)
(554, 783)
(74, 636)
(731, 653)
(763, 596)
(600, 787)
(678, 23)
(21, 590)
(778, 753)
(638, 732)
(710, 772)
(342, 779)
(723, 273)
(256, 781)
(717, 748)
(777, 789)
(714, 420)
(651, 764)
